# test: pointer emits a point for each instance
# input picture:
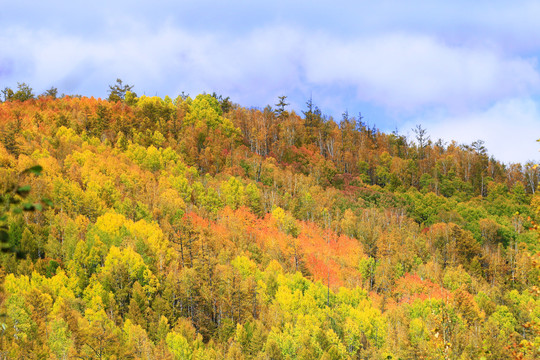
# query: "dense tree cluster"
(194, 228)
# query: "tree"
(481, 164)
(8, 94)
(23, 93)
(117, 92)
(52, 92)
(281, 105)
(313, 120)
(60, 338)
(422, 138)
(531, 176)
(179, 346)
(225, 103)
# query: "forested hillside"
(195, 228)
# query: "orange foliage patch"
(411, 287)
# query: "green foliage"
(23, 93)
(60, 339)
(179, 346)
(12, 203)
(119, 90)
(233, 193)
(285, 222)
(455, 278)
(205, 109)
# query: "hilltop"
(196, 228)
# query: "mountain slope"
(195, 228)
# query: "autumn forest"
(140, 227)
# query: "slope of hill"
(200, 229)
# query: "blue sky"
(464, 70)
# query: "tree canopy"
(195, 228)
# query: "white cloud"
(509, 128)
(403, 72)
(260, 64)
(406, 72)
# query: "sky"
(463, 70)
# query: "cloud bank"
(401, 72)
